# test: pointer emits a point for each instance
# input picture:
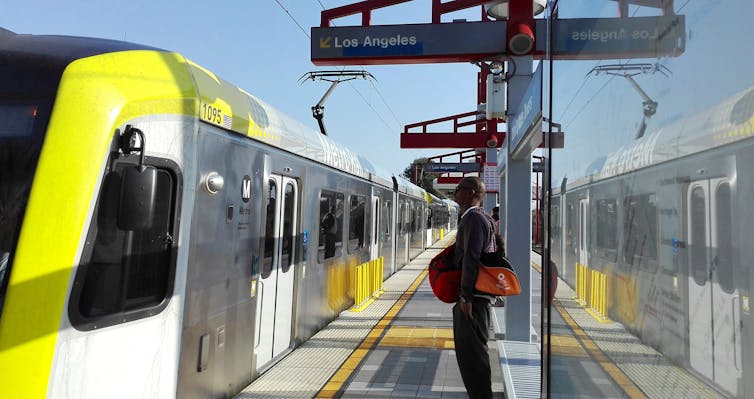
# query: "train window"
(356, 223)
(22, 127)
(406, 218)
(640, 229)
(698, 235)
(400, 218)
(724, 238)
(377, 218)
(269, 230)
(387, 216)
(126, 275)
(607, 224)
(555, 221)
(415, 219)
(288, 220)
(571, 227)
(555, 237)
(330, 225)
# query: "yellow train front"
(161, 230)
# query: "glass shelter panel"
(656, 103)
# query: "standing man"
(471, 314)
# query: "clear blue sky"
(256, 45)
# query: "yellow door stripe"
(95, 96)
(335, 384)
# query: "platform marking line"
(418, 337)
(620, 378)
(334, 386)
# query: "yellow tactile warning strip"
(335, 384)
(566, 345)
(418, 337)
(625, 383)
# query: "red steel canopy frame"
(461, 156)
(366, 7)
(479, 139)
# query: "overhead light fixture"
(499, 9)
(492, 140)
(521, 40)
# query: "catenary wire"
(583, 83)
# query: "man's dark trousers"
(470, 337)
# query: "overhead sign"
(602, 38)
(407, 44)
(577, 38)
(525, 122)
(434, 167)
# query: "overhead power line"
(294, 19)
(377, 90)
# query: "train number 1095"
(211, 114)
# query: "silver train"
(659, 236)
(166, 234)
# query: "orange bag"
(497, 280)
(496, 275)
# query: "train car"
(658, 237)
(453, 214)
(164, 233)
(412, 208)
(438, 217)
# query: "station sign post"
(464, 167)
(525, 121)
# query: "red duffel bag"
(444, 278)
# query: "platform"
(401, 346)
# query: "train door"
(395, 230)
(374, 246)
(403, 233)
(428, 233)
(275, 288)
(388, 234)
(583, 231)
(714, 310)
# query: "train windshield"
(21, 134)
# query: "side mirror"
(138, 189)
(138, 193)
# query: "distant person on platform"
(496, 218)
(471, 314)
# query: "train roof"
(450, 203)
(61, 50)
(242, 112)
(730, 122)
(250, 116)
(406, 187)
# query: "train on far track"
(659, 236)
(166, 234)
